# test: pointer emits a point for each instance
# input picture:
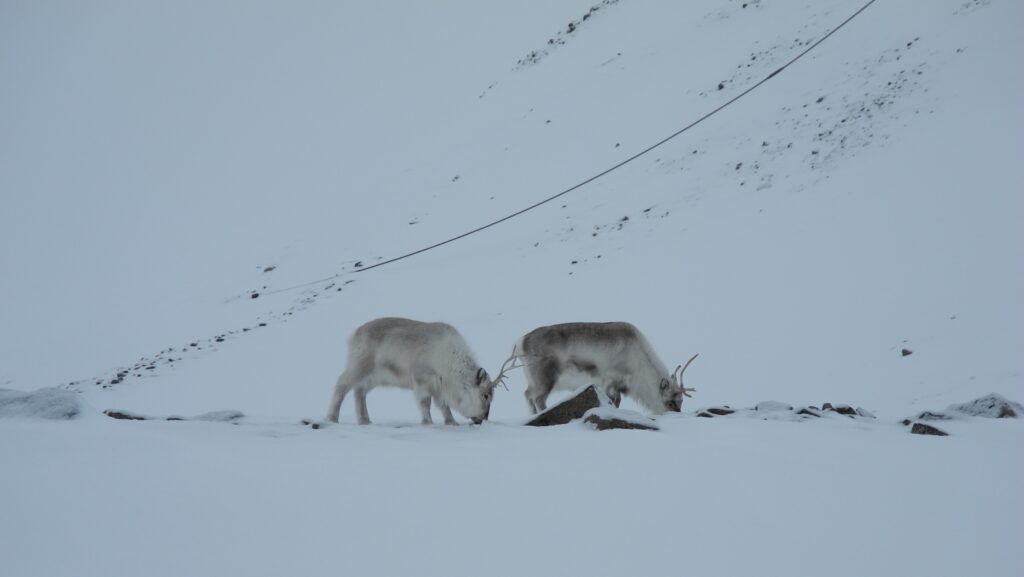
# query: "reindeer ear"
(481, 376)
(664, 384)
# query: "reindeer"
(615, 356)
(432, 359)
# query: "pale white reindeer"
(432, 359)
(614, 356)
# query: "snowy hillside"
(190, 192)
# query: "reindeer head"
(672, 390)
(475, 401)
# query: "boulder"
(604, 418)
(841, 409)
(584, 399)
(992, 406)
(124, 415)
(923, 429)
(933, 416)
(228, 416)
(715, 412)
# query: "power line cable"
(604, 172)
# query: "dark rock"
(254, 296)
(604, 422)
(992, 406)
(570, 409)
(123, 415)
(715, 412)
(923, 429)
(841, 409)
(906, 352)
(932, 416)
(906, 422)
(809, 411)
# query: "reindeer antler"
(509, 364)
(680, 380)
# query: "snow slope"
(162, 165)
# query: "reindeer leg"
(614, 388)
(614, 394)
(353, 377)
(541, 377)
(421, 388)
(362, 416)
(530, 403)
(424, 403)
(341, 388)
(446, 411)
(541, 402)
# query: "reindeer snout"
(477, 420)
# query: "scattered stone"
(809, 411)
(712, 412)
(124, 415)
(573, 408)
(604, 418)
(993, 406)
(215, 416)
(906, 352)
(923, 429)
(841, 409)
(933, 416)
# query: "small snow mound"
(772, 406)
(227, 416)
(48, 403)
(992, 406)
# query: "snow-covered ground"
(161, 165)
